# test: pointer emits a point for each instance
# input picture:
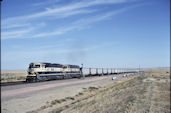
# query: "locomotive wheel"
(34, 79)
(27, 80)
(30, 79)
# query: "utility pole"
(89, 71)
(102, 71)
(82, 71)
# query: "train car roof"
(43, 63)
(72, 66)
(46, 63)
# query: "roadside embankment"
(149, 92)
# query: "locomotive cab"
(33, 70)
(35, 67)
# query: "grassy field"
(12, 76)
(147, 93)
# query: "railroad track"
(24, 82)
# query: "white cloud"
(61, 12)
(73, 7)
(81, 24)
(16, 33)
(21, 33)
(45, 3)
(9, 26)
(25, 22)
(76, 25)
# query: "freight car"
(49, 71)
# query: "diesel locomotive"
(49, 71)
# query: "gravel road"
(31, 96)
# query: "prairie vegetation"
(12, 76)
(147, 93)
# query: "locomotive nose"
(30, 70)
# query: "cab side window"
(37, 66)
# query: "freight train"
(48, 71)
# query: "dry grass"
(12, 76)
(148, 93)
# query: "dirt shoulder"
(39, 99)
(149, 92)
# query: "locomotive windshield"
(34, 65)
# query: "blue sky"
(97, 33)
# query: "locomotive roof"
(44, 63)
(56, 64)
(74, 66)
